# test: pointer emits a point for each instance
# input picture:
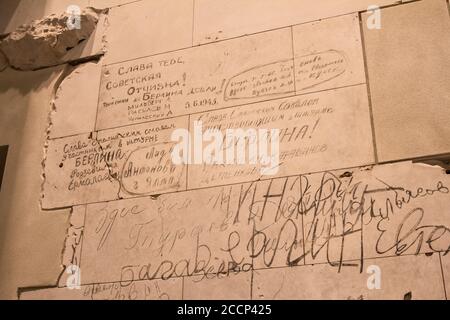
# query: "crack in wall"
(64, 74)
(71, 252)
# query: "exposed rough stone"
(3, 62)
(44, 42)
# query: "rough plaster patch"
(71, 252)
(61, 78)
(63, 103)
(45, 42)
(105, 27)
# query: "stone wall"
(91, 198)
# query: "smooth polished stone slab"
(333, 218)
(75, 103)
(401, 278)
(325, 62)
(143, 28)
(181, 234)
(218, 20)
(113, 164)
(408, 69)
(318, 132)
(203, 78)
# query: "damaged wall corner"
(27, 233)
(49, 42)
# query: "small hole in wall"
(61, 165)
(3, 154)
(346, 175)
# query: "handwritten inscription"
(308, 135)
(333, 217)
(262, 81)
(184, 82)
(138, 290)
(112, 164)
(196, 79)
(316, 69)
(136, 160)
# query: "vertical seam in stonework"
(182, 288)
(443, 276)
(105, 31)
(369, 96)
(293, 59)
(102, 72)
(189, 155)
(82, 234)
(193, 21)
(65, 248)
(102, 66)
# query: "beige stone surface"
(92, 198)
(152, 23)
(332, 205)
(75, 103)
(217, 20)
(418, 277)
(31, 240)
(164, 237)
(142, 162)
(445, 261)
(71, 255)
(112, 164)
(63, 294)
(408, 69)
(417, 196)
(234, 72)
(233, 287)
(67, 183)
(324, 62)
(76, 172)
(141, 290)
(309, 138)
(330, 218)
(109, 3)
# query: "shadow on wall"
(18, 81)
(25, 99)
(13, 13)
(18, 88)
